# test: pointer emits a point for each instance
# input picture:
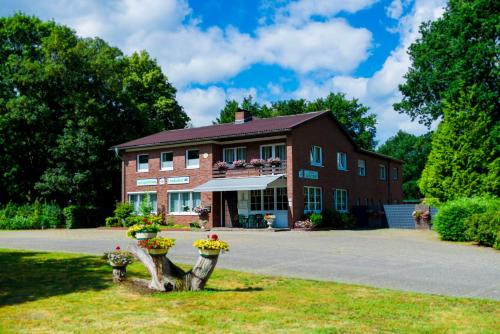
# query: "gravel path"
(396, 259)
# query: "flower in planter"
(157, 243)
(269, 216)
(239, 163)
(201, 210)
(417, 216)
(221, 165)
(144, 227)
(257, 162)
(214, 237)
(274, 161)
(119, 258)
(211, 243)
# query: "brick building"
(320, 168)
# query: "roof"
(220, 131)
(240, 183)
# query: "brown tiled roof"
(221, 131)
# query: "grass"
(72, 293)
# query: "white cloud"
(395, 9)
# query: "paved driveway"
(397, 259)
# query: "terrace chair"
(260, 221)
(252, 221)
(243, 221)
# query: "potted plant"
(304, 224)
(119, 258)
(257, 162)
(269, 218)
(202, 212)
(211, 246)
(157, 246)
(144, 230)
(275, 162)
(426, 217)
(239, 163)
(221, 165)
(417, 216)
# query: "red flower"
(214, 237)
(117, 248)
(145, 220)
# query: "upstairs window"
(167, 161)
(395, 173)
(316, 156)
(273, 151)
(341, 161)
(382, 172)
(340, 200)
(192, 158)
(234, 153)
(361, 168)
(142, 162)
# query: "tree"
(465, 156)
(413, 150)
(351, 114)
(64, 101)
(458, 50)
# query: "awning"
(240, 183)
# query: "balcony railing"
(250, 170)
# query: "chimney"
(242, 116)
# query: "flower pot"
(117, 264)
(145, 235)
(158, 251)
(270, 223)
(209, 252)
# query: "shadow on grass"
(29, 276)
(248, 289)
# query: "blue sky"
(217, 50)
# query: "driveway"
(397, 259)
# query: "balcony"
(249, 170)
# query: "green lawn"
(72, 293)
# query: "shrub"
(170, 220)
(113, 222)
(496, 245)
(21, 223)
(123, 211)
(80, 216)
(483, 227)
(52, 216)
(316, 219)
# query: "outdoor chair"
(252, 221)
(243, 221)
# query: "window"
(341, 161)
(361, 168)
(340, 200)
(273, 151)
(167, 161)
(395, 173)
(192, 158)
(312, 199)
(382, 173)
(281, 199)
(234, 153)
(268, 196)
(136, 200)
(183, 202)
(142, 162)
(256, 200)
(316, 156)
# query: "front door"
(230, 202)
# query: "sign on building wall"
(178, 180)
(147, 182)
(308, 174)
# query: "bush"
(451, 217)
(483, 227)
(52, 216)
(113, 222)
(76, 216)
(316, 219)
(123, 211)
(496, 245)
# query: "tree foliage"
(460, 49)
(64, 101)
(413, 150)
(351, 114)
(465, 156)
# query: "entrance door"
(230, 202)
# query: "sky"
(213, 50)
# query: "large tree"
(351, 114)
(465, 156)
(458, 50)
(413, 150)
(64, 100)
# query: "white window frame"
(155, 209)
(187, 160)
(161, 161)
(382, 176)
(138, 169)
(308, 196)
(317, 163)
(339, 160)
(273, 149)
(343, 206)
(361, 168)
(235, 152)
(275, 199)
(395, 173)
(191, 203)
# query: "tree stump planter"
(166, 276)
(119, 273)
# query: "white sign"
(308, 174)
(147, 182)
(162, 181)
(178, 180)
